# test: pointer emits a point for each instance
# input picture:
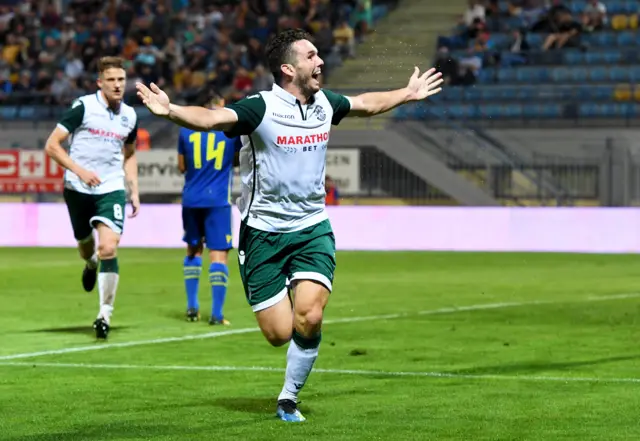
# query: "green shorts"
(268, 260)
(86, 210)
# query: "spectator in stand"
(345, 39)
(566, 33)
(448, 66)
(594, 16)
(476, 10)
(331, 190)
(182, 44)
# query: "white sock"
(92, 262)
(299, 364)
(107, 287)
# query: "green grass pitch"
(417, 346)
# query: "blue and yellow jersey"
(208, 158)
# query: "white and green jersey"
(98, 136)
(282, 160)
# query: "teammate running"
(103, 131)
(285, 232)
(206, 159)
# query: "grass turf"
(545, 349)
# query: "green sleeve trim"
(250, 111)
(133, 136)
(72, 117)
(340, 104)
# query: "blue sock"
(218, 278)
(192, 270)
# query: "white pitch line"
(368, 373)
(478, 307)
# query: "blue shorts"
(213, 225)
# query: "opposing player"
(102, 130)
(206, 159)
(285, 232)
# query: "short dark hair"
(279, 49)
(213, 99)
(105, 63)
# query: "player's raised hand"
(89, 178)
(135, 205)
(154, 98)
(425, 85)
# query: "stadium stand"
(49, 55)
(526, 60)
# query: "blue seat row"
(571, 56)
(578, 6)
(561, 74)
(597, 57)
(604, 39)
(482, 93)
(422, 111)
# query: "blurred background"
(540, 107)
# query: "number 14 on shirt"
(215, 151)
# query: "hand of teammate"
(425, 85)
(154, 98)
(135, 204)
(89, 178)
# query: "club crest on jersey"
(124, 121)
(320, 113)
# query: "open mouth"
(316, 75)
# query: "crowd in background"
(49, 49)
(562, 26)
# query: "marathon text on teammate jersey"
(106, 134)
(300, 140)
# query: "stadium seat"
(8, 112)
(574, 57)
(461, 111)
(622, 92)
(487, 76)
(618, 74)
(598, 74)
(451, 93)
(620, 22)
(536, 40)
(474, 94)
(540, 110)
(513, 110)
(601, 39)
(576, 7)
(626, 38)
(612, 56)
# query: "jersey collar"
(286, 96)
(105, 104)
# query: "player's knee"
(107, 250)
(277, 338)
(194, 250)
(219, 257)
(310, 318)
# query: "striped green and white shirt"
(282, 160)
(98, 136)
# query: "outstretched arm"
(201, 118)
(419, 88)
(191, 117)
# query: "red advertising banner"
(29, 171)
